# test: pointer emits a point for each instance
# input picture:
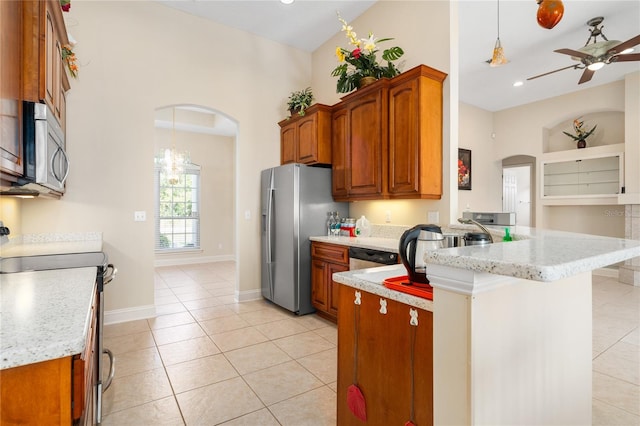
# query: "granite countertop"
(539, 255)
(43, 244)
(44, 315)
(535, 254)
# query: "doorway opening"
(519, 189)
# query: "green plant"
(581, 134)
(361, 61)
(300, 100)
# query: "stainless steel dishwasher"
(361, 258)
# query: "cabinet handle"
(112, 368)
(108, 277)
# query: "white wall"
(135, 57)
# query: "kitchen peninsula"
(512, 326)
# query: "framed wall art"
(464, 169)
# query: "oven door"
(52, 164)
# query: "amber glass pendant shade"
(549, 13)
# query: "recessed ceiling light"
(286, 1)
(518, 84)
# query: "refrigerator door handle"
(269, 232)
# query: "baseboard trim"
(174, 261)
(606, 272)
(248, 295)
(129, 314)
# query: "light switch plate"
(140, 216)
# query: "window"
(177, 210)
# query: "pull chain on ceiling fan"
(596, 54)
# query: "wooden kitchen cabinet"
(384, 360)
(44, 72)
(307, 139)
(326, 259)
(387, 139)
(359, 144)
(11, 165)
(54, 392)
(415, 134)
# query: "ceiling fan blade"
(572, 52)
(551, 72)
(625, 45)
(586, 76)
(626, 58)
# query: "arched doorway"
(519, 188)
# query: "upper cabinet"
(307, 139)
(44, 72)
(415, 134)
(387, 139)
(359, 144)
(10, 92)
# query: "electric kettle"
(414, 243)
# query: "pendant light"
(549, 13)
(498, 57)
(174, 161)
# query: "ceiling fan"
(595, 55)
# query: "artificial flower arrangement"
(361, 60)
(65, 5)
(299, 101)
(581, 134)
(70, 59)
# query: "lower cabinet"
(326, 259)
(385, 362)
(54, 392)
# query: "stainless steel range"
(105, 273)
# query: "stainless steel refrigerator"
(295, 199)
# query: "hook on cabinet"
(414, 316)
(383, 306)
(358, 300)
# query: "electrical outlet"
(433, 217)
(247, 215)
(387, 216)
(139, 216)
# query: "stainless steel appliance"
(362, 258)
(105, 273)
(46, 165)
(295, 200)
(492, 218)
(414, 243)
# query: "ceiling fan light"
(595, 66)
(498, 57)
(626, 51)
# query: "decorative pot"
(582, 144)
(365, 81)
(294, 111)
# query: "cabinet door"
(384, 360)
(366, 143)
(10, 90)
(415, 134)
(404, 136)
(319, 285)
(339, 154)
(334, 287)
(307, 139)
(288, 137)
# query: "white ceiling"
(306, 24)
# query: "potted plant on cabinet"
(299, 101)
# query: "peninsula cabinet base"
(384, 371)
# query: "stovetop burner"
(11, 265)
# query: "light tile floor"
(206, 360)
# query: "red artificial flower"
(356, 53)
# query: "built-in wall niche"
(610, 131)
